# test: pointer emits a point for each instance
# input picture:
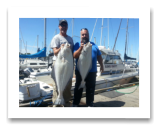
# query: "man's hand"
(56, 49)
(78, 52)
(100, 60)
(62, 45)
(101, 69)
(81, 46)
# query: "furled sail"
(41, 53)
(127, 57)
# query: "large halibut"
(84, 63)
(63, 69)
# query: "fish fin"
(59, 101)
(82, 85)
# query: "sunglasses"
(63, 25)
(84, 29)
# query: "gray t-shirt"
(58, 40)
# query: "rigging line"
(112, 32)
(22, 39)
(70, 24)
(93, 29)
(134, 31)
(117, 35)
(34, 45)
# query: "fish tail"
(59, 101)
(82, 85)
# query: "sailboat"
(29, 62)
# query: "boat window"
(33, 63)
(109, 60)
(42, 63)
(103, 57)
(117, 59)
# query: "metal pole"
(101, 32)
(72, 26)
(117, 36)
(95, 40)
(93, 29)
(44, 32)
(126, 38)
(20, 45)
(37, 41)
(108, 33)
(26, 47)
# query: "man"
(91, 77)
(57, 42)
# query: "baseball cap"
(63, 21)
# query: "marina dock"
(116, 96)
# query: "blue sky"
(29, 28)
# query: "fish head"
(66, 48)
(86, 48)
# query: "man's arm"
(56, 50)
(78, 52)
(100, 60)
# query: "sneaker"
(91, 105)
(74, 105)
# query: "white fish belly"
(85, 64)
(63, 73)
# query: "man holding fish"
(86, 54)
(62, 68)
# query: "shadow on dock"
(105, 104)
(110, 104)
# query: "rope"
(38, 102)
(128, 92)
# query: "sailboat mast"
(95, 40)
(37, 42)
(101, 32)
(72, 26)
(108, 33)
(44, 32)
(26, 47)
(117, 36)
(126, 37)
